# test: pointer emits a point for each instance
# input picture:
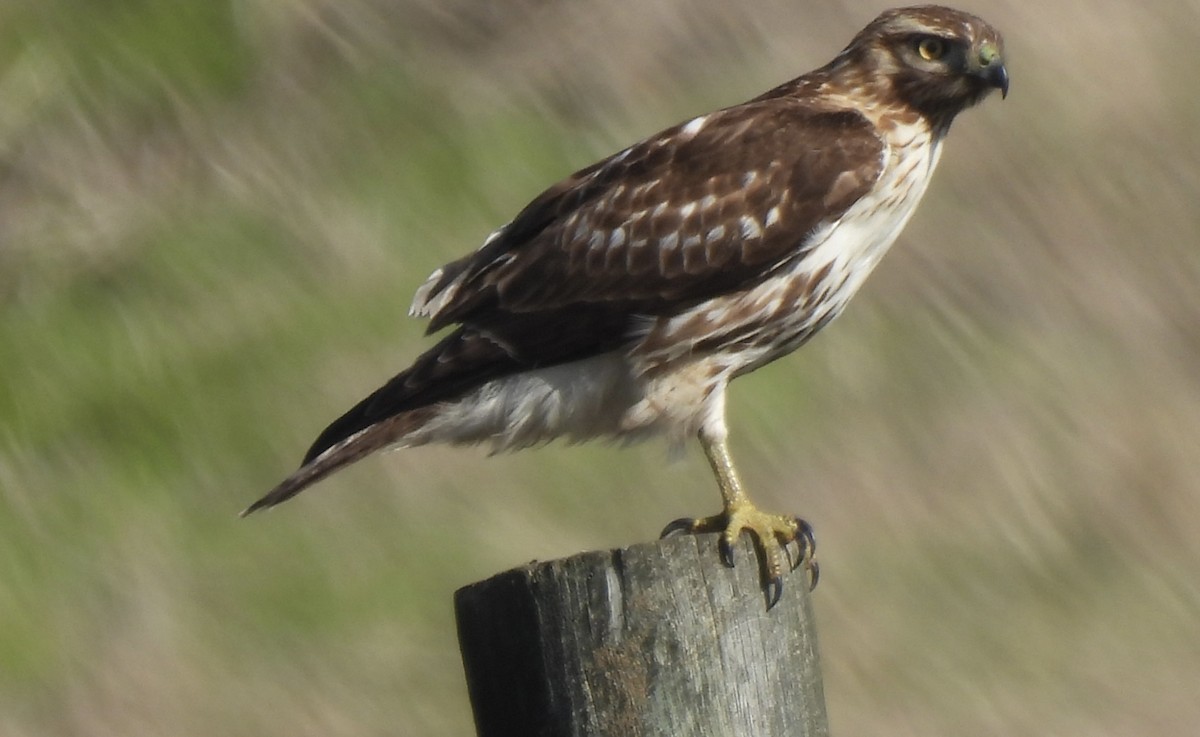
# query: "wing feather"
(700, 209)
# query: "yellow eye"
(931, 48)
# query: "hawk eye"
(931, 48)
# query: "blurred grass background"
(213, 216)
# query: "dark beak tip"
(998, 76)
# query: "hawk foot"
(771, 533)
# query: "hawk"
(622, 300)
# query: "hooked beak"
(991, 69)
(997, 76)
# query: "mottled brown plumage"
(622, 300)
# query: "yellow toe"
(772, 533)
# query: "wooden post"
(658, 639)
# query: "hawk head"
(934, 60)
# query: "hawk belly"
(602, 396)
(574, 401)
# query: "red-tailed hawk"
(621, 301)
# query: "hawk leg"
(771, 532)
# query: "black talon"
(805, 533)
(807, 541)
(773, 591)
(793, 561)
(682, 525)
(726, 551)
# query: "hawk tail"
(341, 454)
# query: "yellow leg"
(771, 532)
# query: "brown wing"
(698, 210)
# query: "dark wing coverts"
(659, 224)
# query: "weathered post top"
(658, 639)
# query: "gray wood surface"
(655, 639)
